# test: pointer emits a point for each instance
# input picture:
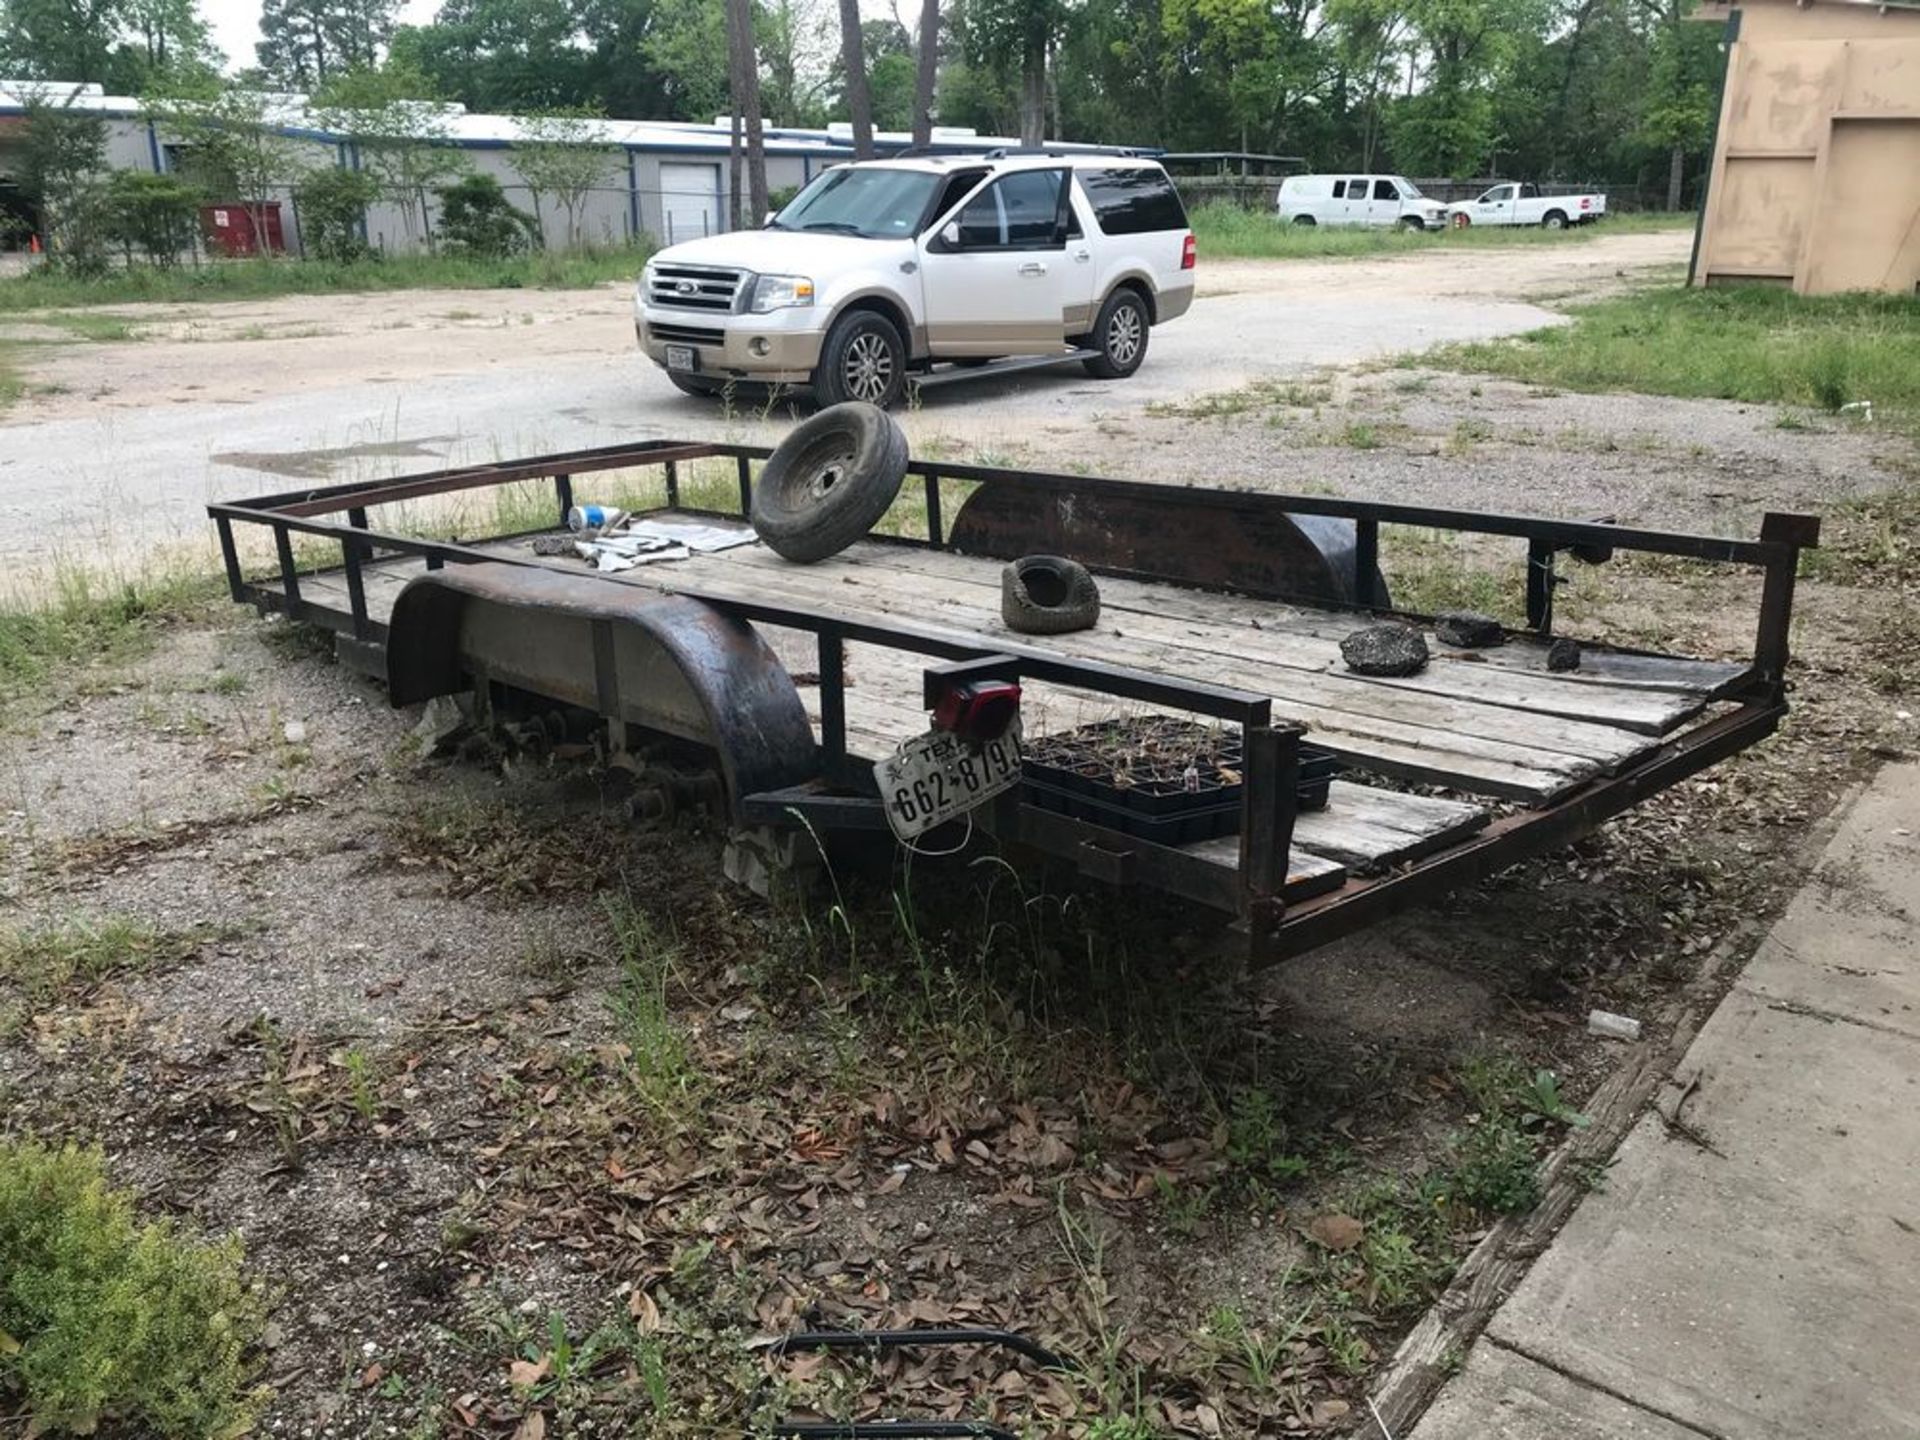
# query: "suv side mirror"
(950, 234)
(767, 219)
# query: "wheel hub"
(869, 368)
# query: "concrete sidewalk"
(1750, 1273)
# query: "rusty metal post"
(745, 467)
(351, 552)
(289, 573)
(936, 531)
(231, 558)
(673, 484)
(563, 492)
(1366, 562)
(1267, 811)
(833, 700)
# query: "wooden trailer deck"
(1486, 725)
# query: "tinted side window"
(1134, 201)
(1019, 211)
(1339, 189)
(1384, 190)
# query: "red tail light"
(981, 710)
(1586, 204)
(1189, 252)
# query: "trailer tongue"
(794, 682)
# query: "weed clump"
(103, 1318)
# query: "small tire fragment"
(1390, 649)
(829, 482)
(1468, 630)
(1046, 595)
(1563, 655)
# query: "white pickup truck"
(1515, 204)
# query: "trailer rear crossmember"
(1217, 604)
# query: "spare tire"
(829, 482)
(1046, 595)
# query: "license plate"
(936, 777)
(682, 357)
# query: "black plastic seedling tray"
(1075, 774)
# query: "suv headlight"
(780, 292)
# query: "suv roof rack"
(1006, 152)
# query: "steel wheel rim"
(1123, 335)
(868, 368)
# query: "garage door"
(689, 201)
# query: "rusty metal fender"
(664, 662)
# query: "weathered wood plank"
(1421, 737)
(1153, 613)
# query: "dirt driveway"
(123, 441)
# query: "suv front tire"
(1119, 336)
(863, 358)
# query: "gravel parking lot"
(119, 443)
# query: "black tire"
(1412, 222)
(1306, 220)
(1119, 335)
(863, 359)
(829, 481)
(1553, 220)
(1046, 595)
(695, 385)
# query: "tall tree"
(687, 45)
(1012, 35)
(502, 56)
(927, 69)
(305, 43)
(853, 57)
(743, 84)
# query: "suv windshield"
(1409, 190)
(877, 203)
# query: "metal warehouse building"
(667, 179)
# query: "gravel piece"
(1388, 649)
(1468, 630)
(556, 545)
(1563, 655)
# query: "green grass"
(1227, 231)
(1760, 345)
(81, 619)
(49, 961)
(109, 1323)
(255, 279)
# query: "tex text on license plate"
(936, 777)
(682, 357)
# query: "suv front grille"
(698, 287)
(686, 334)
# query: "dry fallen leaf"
(529, 1372)
(534, 1427)
(646, 1314)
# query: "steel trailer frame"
(1281, 919)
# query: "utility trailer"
(792, 681)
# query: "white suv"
(885, 267)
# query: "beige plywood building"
(1816, 168)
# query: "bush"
(330, 204)
(152, 214)
(105, 1319)
(476, 218)
(1496, 1168)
